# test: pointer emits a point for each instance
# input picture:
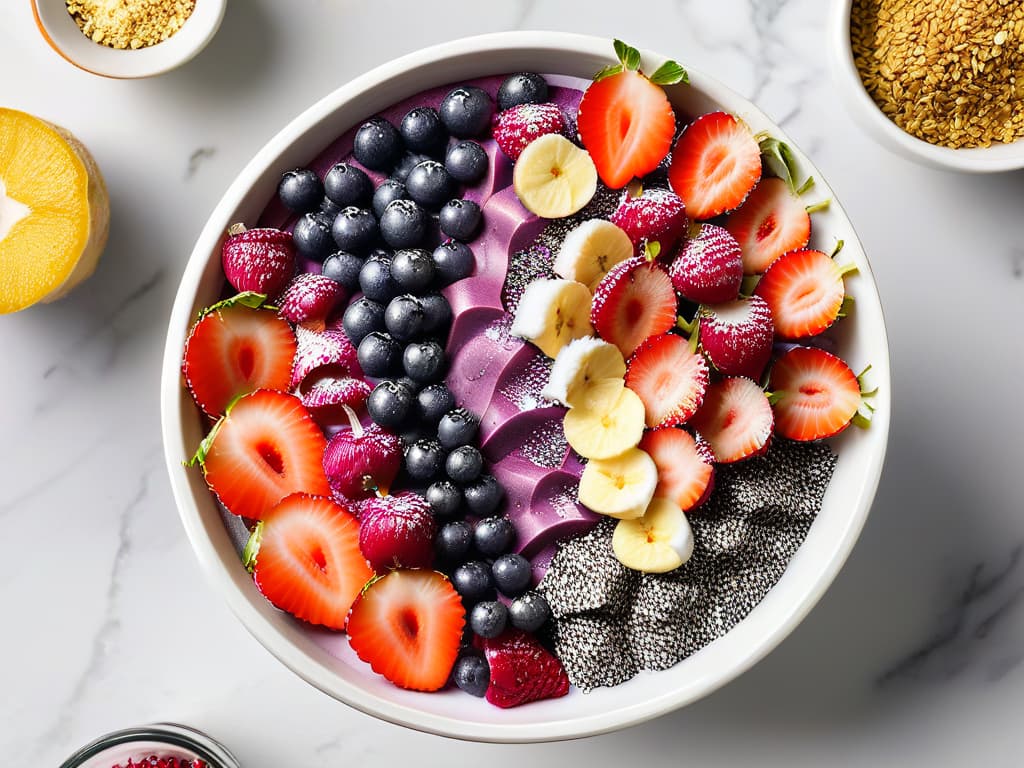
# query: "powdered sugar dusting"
(546, 447)
(524, 389)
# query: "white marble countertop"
(912, 658)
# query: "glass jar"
(159, 739)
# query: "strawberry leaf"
(670, 73)
(252, 547)
(781, 162)
(627, 54)
(199, 457)
(249, 299)
(611, 69)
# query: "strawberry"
(310, 298)
(816, 394)
(514, 128)
(315, 349)
(715, 164)
(770, 222)
(305, 559)
(632, 302)
(360, 460)
(737, 336)
(325, 392)
(708, 267)
(397, 531)
(266, 447)
(669, 378)
(655, 215)
(805, 291)
(522, 670)
(258, 260)
(408, 626)
(735, 419)
(234, 349)
(686, 470)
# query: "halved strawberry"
(307, 559)
(816, 394)
(715, 164)
(686, 470)
(234, 349)
(736, 419)
(266, 447)
(626, 123)
(407, 626)
(805, 292)
(669, 378)
(633, 302)
(771, 222)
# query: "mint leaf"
(611, 69)
(669, 73)
(627, 54)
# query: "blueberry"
(494, 536)
(467, 111)
(328, 208)
(483, 496)
(453, 261)
(404, 318)
(388, 191)
(464, 464)
(466, 162)
(445, 500)
(375, 278)
(457, 427)
(347, 185)
(312, 236)
(412, 269)
(354, 229)
(488, 618)
(377, 144)
(529, 612)
(472, 674)
(412, 386)
(379, 355)
(512, 573)
(389, 404)
(409, 161)
(434, 400)
(424, 460)
(404, 224)
(424, 361)
(363, 316)
(423, 131)
(300, 190)
(430, 185)
(437, 313)
(343, 267)
(460, 219)
(453, 540)
(522, 88)
(472, 581)
(413, 433)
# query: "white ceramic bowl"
(997, 157)
(62, 33)
(453, 713)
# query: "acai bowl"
(324, 657)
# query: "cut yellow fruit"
(590, 250)
(621, 487)
(54, 211)
(659, 541)
(608, 420)
(578, 364)
(551, 313)
(553, 177)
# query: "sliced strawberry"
(407, 626)
(735, 419)
(653, 215)
(265, 448)
(626, 123)
(633, 302)
(715, 164)
(805, 291)
(708, 267)
(816, 394)
(686, 470)
(771, 222)
(311, 298)
(737, 336)
(669, 378)
(308, 560)
(522, 670)
(316, 349)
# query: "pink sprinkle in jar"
(153, 745)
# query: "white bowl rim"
(229, 582)
(993, 159)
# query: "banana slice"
(579, 363)
(620, 487)
(590, 250)
(608, 420)
(553, 177)
(659, 541)
(551, 313)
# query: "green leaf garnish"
(651, 250)
(669, 73)
(252, 547)
(780, 160)
(627, 54)
(249, 299)
(611, 69)
(199, 457)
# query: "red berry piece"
(805, 290)
(686, 470)
(771, 222)
(259, 260)
(736, 419)
(310, 298)
(522, 670)
(397, 531)
(737, 336)
(656, 215)
(816, 394)
(669, 378)
(514, 128)
(317, 349)
(708, 267)
(360, 460)
(325, 392)
(633, 302)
